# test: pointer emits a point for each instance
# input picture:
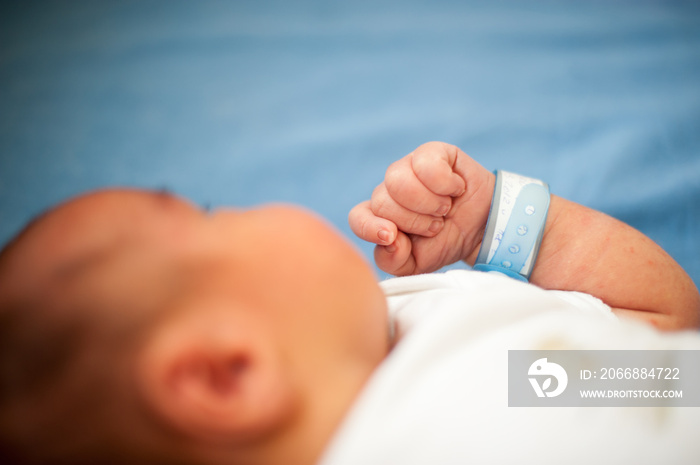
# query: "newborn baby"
(137, 328)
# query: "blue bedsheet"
(237, 102)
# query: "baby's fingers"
(397, 258)
(384, 205)
(393, 251)
(369, 227)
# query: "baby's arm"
(431, 210)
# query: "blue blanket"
(309, 101)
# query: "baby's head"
(137, 328)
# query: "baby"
(137, 328)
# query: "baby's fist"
(430, 210)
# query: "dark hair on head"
(67, 391)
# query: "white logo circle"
(544, 370)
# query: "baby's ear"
(217, 377)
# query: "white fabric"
(441, 395)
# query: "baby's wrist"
(476, 212)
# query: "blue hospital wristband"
(515, 226)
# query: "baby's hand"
(429, 212)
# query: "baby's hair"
(67, 391)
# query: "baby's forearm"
(582, 249)
(588, 251)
